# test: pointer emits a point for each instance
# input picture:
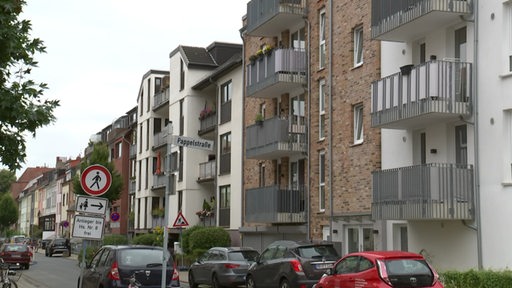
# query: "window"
(225, 197)
(321, 110)
(148, 102)
(225, 143)
(158, 85)
(321, 190)
(321, 37)
(358, 124)
(298, 40)
(358, 46)
(182, 75)
(225, 92)
(507, 10)
(262, 174)
(225, 101)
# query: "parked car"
(16, 254)
(291, 264)
(58, 246)
(381, 269)
(221, 267)
(112, 266)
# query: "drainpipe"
(475, 127)
(331, 197)
(308, 131)
(242, 34)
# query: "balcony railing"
(159, 182)
(207, 124)
(275, 205)
(274, 138)
(132, 186)
(133, 150)
(161, 99)
(434, 91)
(270, 17)
(207, 171)
(408, 19)
(424, 192)
(160, 139)
(276, 73)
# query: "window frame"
(358, 45)
(321, 181)
(321, 109)
(321, 39)
(358, 111)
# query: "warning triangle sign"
(180, 221)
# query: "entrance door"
(359, 238)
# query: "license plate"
(323, 266)
(16, 256)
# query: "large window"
(321, 110)
(225, 196)
(225, 101)
(358, 46)
(299, 40)
(225, 153)
(321, 37)
(507, 9)
(321, 190)
(358, 123)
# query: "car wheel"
(284, 284)
(27, 266)
(215, 282)
(249, 282)
(191, 282)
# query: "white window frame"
(507, 11)
(358, 123)
(321, 38)
(358, 46)
(321, 109)
(321, 181)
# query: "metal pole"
(168, 190)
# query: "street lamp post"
(168, 191)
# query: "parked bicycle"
(133, 282)
(6, 274)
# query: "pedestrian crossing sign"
(180, 221)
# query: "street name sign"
(195, 143)
(91, 205)
(96, 180)
(88, 227)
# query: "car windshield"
(407, 267)
(248, 255)
(15, 248)
(141, 257)
(318, 251)
(59, 241)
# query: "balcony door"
(461, 145)
(359, 238)
(460, 69)
(297, 116)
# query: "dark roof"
(212, 56)
(230, 64)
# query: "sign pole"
(168, 192)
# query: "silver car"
(222, 267)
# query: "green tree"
(8, 211)
(100, 155)
(22, 108)
(6, 179)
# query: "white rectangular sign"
(91, 205)
(192, 143)
(88, 227)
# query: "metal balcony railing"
(275, 205)
(270, 17)
(160, 139)
(278, 72)
(424, 192)
(207, 171)
(434, 91)
(159, 181)
(160, 99)
(208, 123)
(275, 137)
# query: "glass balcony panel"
(270, 17)
(275, 205)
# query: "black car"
(112, 266)
(287, 264)
(58, 246)
(222, 267)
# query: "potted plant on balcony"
(259, 119)
(267, 49)
(158, 212)
(207, 210)
(206, 112)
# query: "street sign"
(91, 205)
(95, 180)
(195, 143)
(88, 227)
(115, 216)
(180, 221)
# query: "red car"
(380, 269)
(16, 254)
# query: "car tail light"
(175, 274)
(114, 272)
(383, 272)
(296, 266)
(231, 266)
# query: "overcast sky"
(98, 51)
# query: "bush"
(145, 239)
(115, 240)
(477, 279)
(89, 253)
(206, 238)
(185, 246)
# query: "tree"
(22, 108)
(100, 155)
(6, 179)
(8, 211)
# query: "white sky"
(98, 51)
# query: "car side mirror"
(329, 271)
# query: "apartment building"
(425, 195)
(314, 153)
(194, 99)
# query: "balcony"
(161, 100)
(207, 125)
(274, 205)
(159, 182)
(270, 17)
(424, 192)
(207, 171)
(410, 19)
(433, 92)
(275, 138)
(160, 139)
(276, 73)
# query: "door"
(460, 68)
(297, 116)
(359, 238)
(461, 145)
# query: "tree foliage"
(6, 179)
(100, 155)
(197, 239)
(8, 211)
(22, 108)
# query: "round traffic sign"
(96, 180)
(115, 216)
